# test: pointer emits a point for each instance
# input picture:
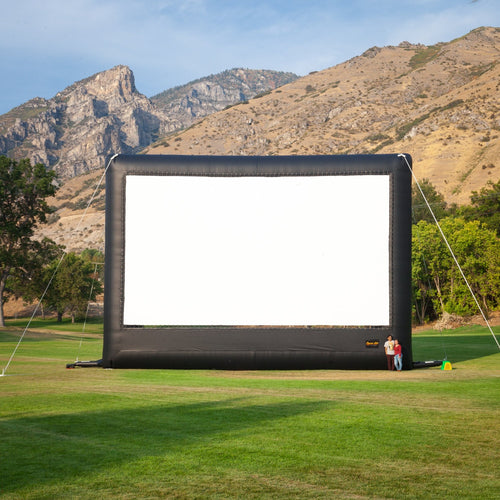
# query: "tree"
(74, 283)
(485, 206)
(31, 285)
(438, 285)
(477, 249)
(435, 199)
(431, 262)
(97, 258)
(23, 192)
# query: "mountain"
(439, 103)
(77, 130)
(186, 104)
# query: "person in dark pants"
(389, 352)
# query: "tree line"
(473, 233)
(28, 265)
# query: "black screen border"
(242, 347)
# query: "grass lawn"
(95, 433)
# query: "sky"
(46, 46)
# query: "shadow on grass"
(57, 448)
(41, 336)
(456, 347)
(92, 323)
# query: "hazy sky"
(47, 45)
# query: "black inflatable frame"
(238, 347)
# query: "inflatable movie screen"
(276, 262)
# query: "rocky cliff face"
(186, 104)
(76, 131)
(81, 127)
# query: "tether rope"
(450, 250)
(56, 269)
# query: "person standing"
(398, 355)
(389, 352)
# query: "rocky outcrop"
(82, 126)
(186, 104)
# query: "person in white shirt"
(389, 352)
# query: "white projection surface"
(277, 251)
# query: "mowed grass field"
(125, 434)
